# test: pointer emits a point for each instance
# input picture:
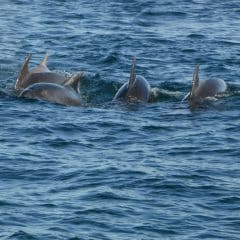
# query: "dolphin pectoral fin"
(195, 81)
(44, 60)
(22, 73)
(74, 80)
(186, 97)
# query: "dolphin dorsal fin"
(195, 81)
(132, 74)
(44, 60)
(23, 72)
(74, 80)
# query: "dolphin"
(136, 89)
(204, 89)
(40, 73)
(65, 94)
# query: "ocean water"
(121, 171)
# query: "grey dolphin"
(204, 89)
(136, 89)
(40, 73)
(66, 94)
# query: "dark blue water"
(102, 171)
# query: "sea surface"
(161, 170)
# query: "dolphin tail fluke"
(195, 81)
(44, 61)
(74, 80)
(22, 73)
(132, 74)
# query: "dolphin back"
(52, 92)
(140, 90)
(50, 77)
(136, 89)
(211, 88)
(40, 73)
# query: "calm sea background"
(121, 171)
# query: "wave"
(168, 13)
(21, 235)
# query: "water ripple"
(108, 170)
